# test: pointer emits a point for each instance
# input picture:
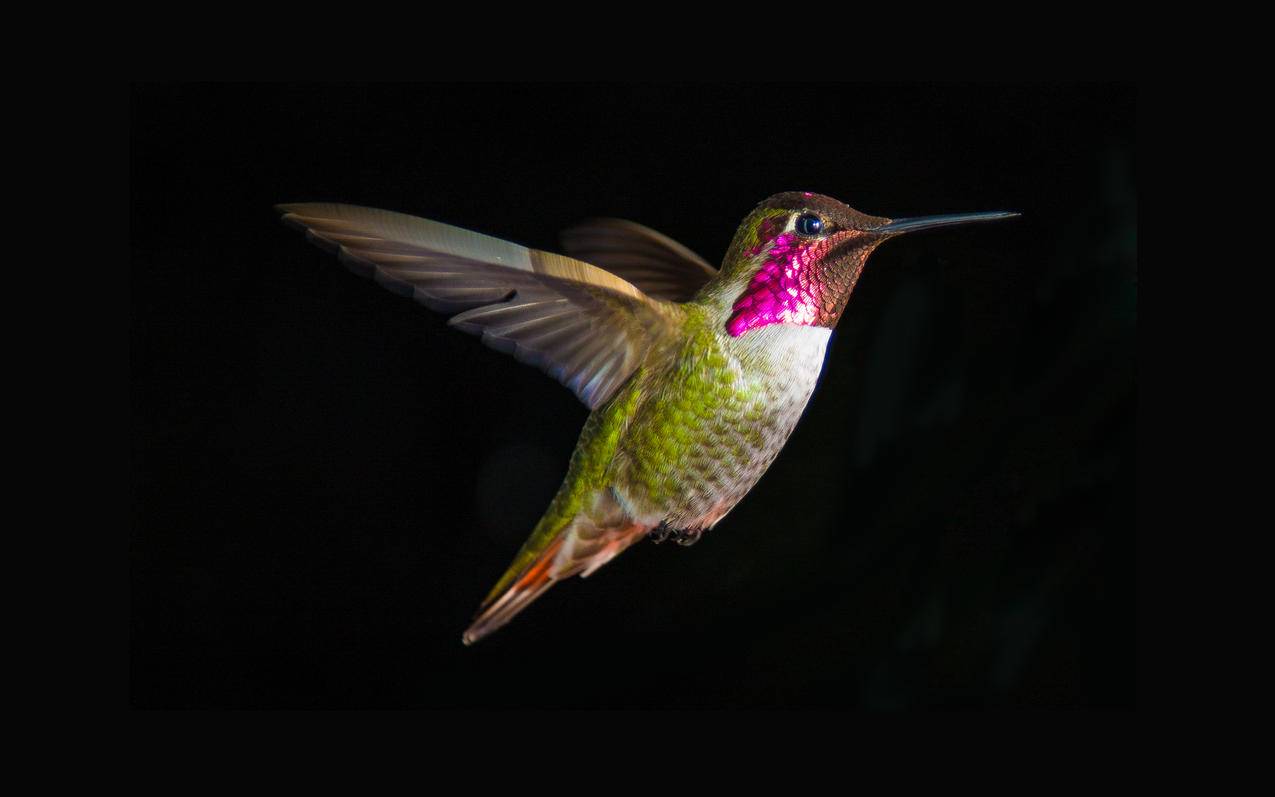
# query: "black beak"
(900, 226)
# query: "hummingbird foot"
(682, 537)
(685, 537)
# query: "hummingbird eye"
(809, 224)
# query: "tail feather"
(498, 610)
(582, 547)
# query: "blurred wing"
(655, 263)
(586, 327)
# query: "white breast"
(788, 357)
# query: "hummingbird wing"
(586, 327)
(655, 263)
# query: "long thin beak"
(900, 226)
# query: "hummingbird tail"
(580, 548)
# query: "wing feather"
(586, 326)
(655, 263)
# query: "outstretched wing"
(655, 263)
(586, 327)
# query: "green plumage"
(587, 473)
(691, 431)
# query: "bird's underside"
(684, 419)
(668, 455)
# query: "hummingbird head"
(798, 255)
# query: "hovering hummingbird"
(695, 376)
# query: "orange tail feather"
(577, 550)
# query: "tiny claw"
(688, 537)
(682, 537)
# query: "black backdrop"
(327, 479)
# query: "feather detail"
(656, 264)
(587, 327)
(581, 549)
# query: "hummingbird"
(695, 376)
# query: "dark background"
(327, 480)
